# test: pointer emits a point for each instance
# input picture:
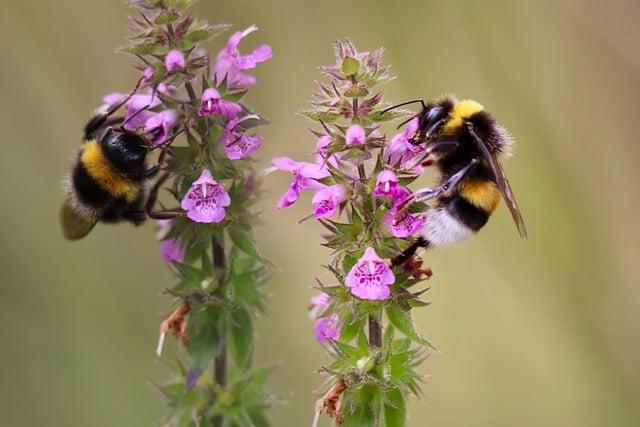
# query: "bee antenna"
(136, 113)
(408, 120)
(129, 96)
(415, 101)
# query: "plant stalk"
(220, 362)
(375, 331)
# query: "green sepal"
(350, 66)
(241, 338)
(166, 17)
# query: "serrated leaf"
(356, 92)
(166, 16)
(361, 407)
(395, 409)
(244, 241)
(143, 49)
(203, 330)
(402, 321)
(350, 66)
(350, 330)
(379, 116)
(241, 342)
(198, 35)
(323, 116)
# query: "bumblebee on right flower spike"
(464, 142)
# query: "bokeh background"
(544, 332)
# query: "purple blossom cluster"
(146, 112)
(356, 173)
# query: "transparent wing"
(503, 184)
(74, 226)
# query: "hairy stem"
(375, 331)
(220, 362)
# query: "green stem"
(375, 331)
(220, 362)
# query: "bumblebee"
(110, 179)
(463, 141)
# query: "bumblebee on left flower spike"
(110, 179)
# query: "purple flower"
(111, 100)
(319, 304)
(159, 126)
(304, 178)
(322, 145)
(164, 227)
(405, 226)
(387, 186)
(326, 328)
(401, 151)
(231, 64)
(237, 144)
(147, 74)
(370, 277)
(326, 201)
(135, 115)
(172, 250)
(206, 199)
(174, 61)
(213, 104)
(355, 135)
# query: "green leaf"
(167, 16)
(258, 417)
(356, 92)
(350, 66)
(379, 116)
(205, 31)
(362, 407)
(204, 332)
(348, 262)
(324, 116)
(402, 321)
(395, 409)
(241, 342)
(244, 241)
(350, 330)
(143, 49)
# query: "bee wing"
(74, 226)
(503, 184)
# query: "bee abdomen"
(469, 215)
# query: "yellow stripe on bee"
(106, 177)
(482, 194)
(461, 111)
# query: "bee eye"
(434, 114)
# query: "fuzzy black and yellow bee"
(110, 179)
(463, 141)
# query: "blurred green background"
(544, 332)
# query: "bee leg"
(153, 197)
(408, 253)
(136, 217)
(166, 214)
(152, 171)
(426, 194)
(99, 120)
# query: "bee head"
(432, 118)
(125, 150)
